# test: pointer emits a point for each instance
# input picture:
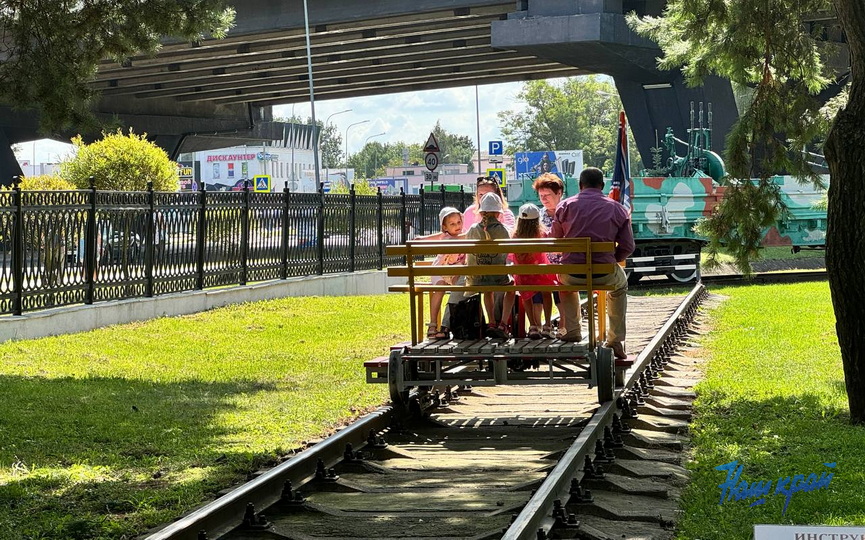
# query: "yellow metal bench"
(427, 364)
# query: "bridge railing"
(62, 248)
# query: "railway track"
(502, 462)
(761, 278)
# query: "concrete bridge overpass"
(213, 93)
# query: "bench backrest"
(413, 249)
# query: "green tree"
(455, 148)
(120, 162)
(766, 46)
(371, 160)
(51, 50)
(581, 113)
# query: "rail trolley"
(415, 371)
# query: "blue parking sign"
(496, 148)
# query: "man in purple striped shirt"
(589, 213)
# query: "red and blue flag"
(620, 184)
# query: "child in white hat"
(490, 228)
(451, 221)
(529, 226)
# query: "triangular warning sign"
(262, 184)
(432, 145)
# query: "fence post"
(442, 191)
(18, 250)
(244, 234)
(421, 212)
(200, 237)
(402, 221)
(319, 225)
(91, 257)
(380, 228)
(285, 201)
(148, 242)
(352, 225)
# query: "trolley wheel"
(395, 372)
(683, 276)
(633, 277)
(606, 374)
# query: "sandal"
(443, 333)
(546, 331)
(431, 330)
(534, 333)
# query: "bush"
(46, 182)
(122, 163)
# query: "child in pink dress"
(529, 226)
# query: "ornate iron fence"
(70, 247)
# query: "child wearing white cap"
(529, 226)
(490, 228)
(451, 221)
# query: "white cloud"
(409, 116)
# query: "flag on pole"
(620, 185)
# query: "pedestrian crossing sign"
(261, 182)
(498, 174)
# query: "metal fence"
(70, 247)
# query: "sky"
(407, 117)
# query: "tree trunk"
(845, 237)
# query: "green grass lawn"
(107, 433)
(774, 400)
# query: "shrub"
(120, 162)
(46, 182)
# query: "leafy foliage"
(52, 49)
(360, 188)
(120, 162)
(582, 113)
(374, 157)
(454, 148)
(737, 226)
(46, 182)
(768, 54)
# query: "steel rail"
(537, 516)
(227, 512)
(762, 278)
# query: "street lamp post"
(375, 166)
(324, 126)
(346, 146)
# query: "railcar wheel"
(606, 375)
(683, 276)
(633, 277)
(395, 378)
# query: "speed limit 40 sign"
(431, 161)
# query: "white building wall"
(230, 166)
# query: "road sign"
(496, 148)
(261, 182)
(430, 176)
(431, 161)
(498, 174)
(432, 145)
